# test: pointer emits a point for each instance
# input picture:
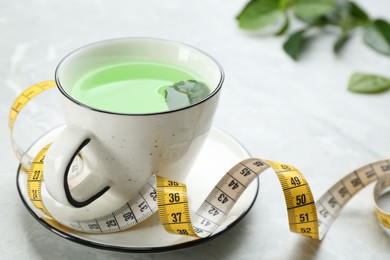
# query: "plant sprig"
(343, 14)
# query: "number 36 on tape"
(169, 198)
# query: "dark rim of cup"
(62, 90)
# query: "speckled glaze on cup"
(120, 152)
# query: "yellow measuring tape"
(169, 198)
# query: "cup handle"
(58, 161)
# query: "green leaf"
(309, 10)
(367, 83)
(184, 93)
(377, 36)
(352, 16)
(357, 12)
(258, 14)
(285, 25)
(295, 43)
(285, 4)
(340, 42)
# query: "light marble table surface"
(298, 113)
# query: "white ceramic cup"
(120, 152)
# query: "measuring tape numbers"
(169, 198)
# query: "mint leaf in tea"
(185, 93)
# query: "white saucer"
(219, 153)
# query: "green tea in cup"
(139, 87)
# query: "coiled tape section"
(169, 198)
